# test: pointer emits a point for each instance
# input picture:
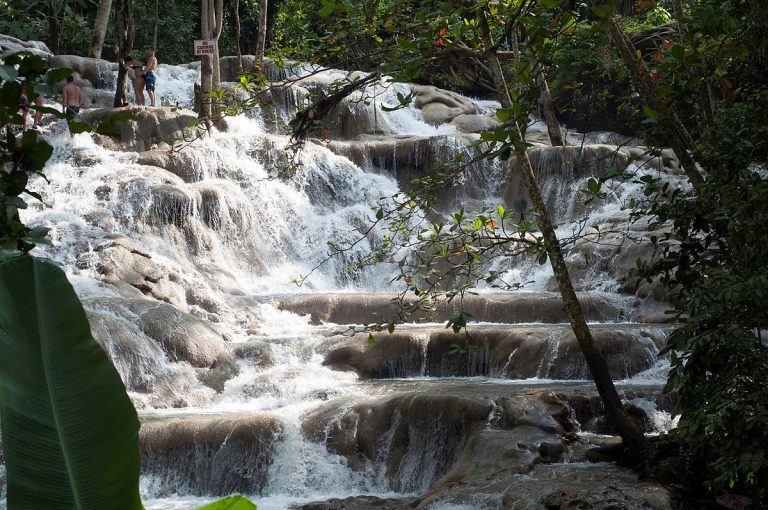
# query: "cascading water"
(185, 262)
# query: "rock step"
(413, 439)
(511, 307)
(408, 436)
(509, 352)
(208, 454)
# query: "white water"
(233, 234)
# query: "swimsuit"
(72, 111)
(149, 81)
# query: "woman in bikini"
(138, 77)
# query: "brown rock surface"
(154, 126)
(203, 455)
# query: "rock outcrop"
(10, 43)
(514, 352)
(208, 454)
(152, 127)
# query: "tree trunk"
(54, 27)
(674, 131)
(237, 37)
(553, 126)
(216, 27)
(261, 42)
(157, 24)
(100, 27)
(206, 62)
(124, 32)
(633, 439)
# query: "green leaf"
(678, 52)
(54, 76)
(391, 328)
(76, 127)
(327, 9)
(371, 340)
(236, 502)
(70, 433)
(504, 114)
(8, 73)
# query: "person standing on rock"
(138, 77)
(149, 76)
(38, 114)
(72, 98)
(24, 107)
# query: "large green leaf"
(69, 431)
(235, 502)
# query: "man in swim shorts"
(149, 76)
(72, 98)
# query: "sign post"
(205, 47)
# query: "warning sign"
(205, 47)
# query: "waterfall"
(243, 382)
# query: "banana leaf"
(69, 431)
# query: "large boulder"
(9, 43)
(440, 106)
(152, 127)
(99, 73)
(412, 439)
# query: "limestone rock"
(9, 43)
(209, 454)
(439, 113)
(184, 337)
(514, 352)
(474, 123)
(353, 503)
(228, 66)
(122, 261)
(98, 73)
(260, 352)
(154, 126)
(184, 164)
(393, 355)
(364, 308)
(583, 486)
(415, 438)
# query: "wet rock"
(256, 350)
(585, 487)
(440, 106)
(153, 126)
(122, 261)
(229, 66)
(98, 73)
(10, 43)
(514, 352)
(522, 411)
(475, 123)
(412, 439)
(184, 337)
(364, 308)
(202, 455)
(495, 455)
(184, 164)
(145, 368)
(393, 355)
(353, 503)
